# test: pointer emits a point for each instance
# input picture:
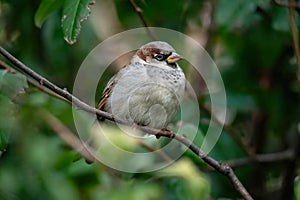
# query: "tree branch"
(34, 83)
(291, 4)
(232, 132)
(282, 156)
(160, 153)
(223, 168)
(294, 30)
(287, 4)
(263, 158)
(139, 12)
(69, 137)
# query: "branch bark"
(221, 167)
(263, 158)
(292, 5)
(231, 131)
(294, 30)
(65, 133)
(139, 12)
(287, 4)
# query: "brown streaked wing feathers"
(107, 93)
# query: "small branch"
(223, 168)
(139, 12)
(247, 149)
(294, 31)
(61, 92)
(263, 158)
(34, 83)
(288, 179)
(159, 152)
(283, 156)
(69, 137)
(7, 67)
(287, 4)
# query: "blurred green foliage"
(249, 40)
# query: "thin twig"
(287, 4)
(159, 152)
(67, 135)
(247, 149)
(282, 156)
(262, 158)
(7, 67)
(223, 168)
(294, 31)
(139, 11)
(34, 83)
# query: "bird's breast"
(147, 96)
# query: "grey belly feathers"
(146, 95)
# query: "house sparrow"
(147, 91)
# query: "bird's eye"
(159, 57)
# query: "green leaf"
(195, 186)
(12, 84)
(45, 9)
(7, 121)
(131, 190)
(74, 12)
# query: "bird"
(148, 91)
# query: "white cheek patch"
(148, 59)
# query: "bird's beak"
(174, 57)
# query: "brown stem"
(294, 31)
(139, 12)
(233, 133)
(160, 153)
(262, 158)
(287, 4)
(283, 156)
(69, 137)
(34, 83)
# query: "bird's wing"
(108, 90)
